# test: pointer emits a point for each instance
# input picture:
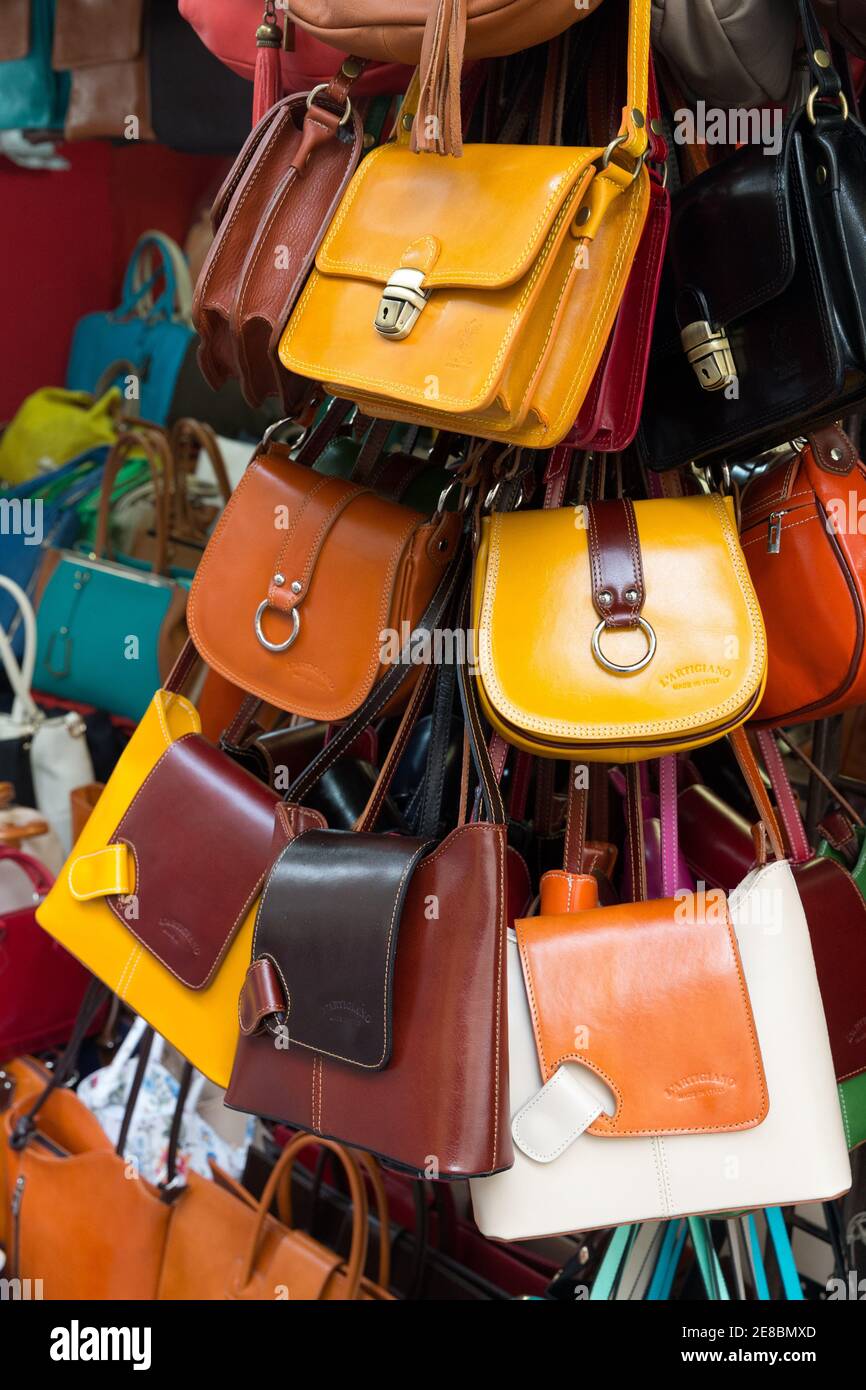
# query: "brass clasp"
(401, 304)
(709, 352)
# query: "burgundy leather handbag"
(268, 218)
(374, 1008)
(41, 985)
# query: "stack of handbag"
(494, 874)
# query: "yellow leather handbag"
(616, 631)
(158, 896)
(478, 293)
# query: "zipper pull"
(774, 533)
(18, 1194)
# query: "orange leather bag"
(306, 578)
(224, 1245)
(803, 533)
(76, 1218)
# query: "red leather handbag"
(228, 29)
(41, 985)
(610, 414)
(804, 538)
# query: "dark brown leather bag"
(102, 43)
(374, 1008)
(846, 22)
(268, 219)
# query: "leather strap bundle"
(806, 552)
(268, 219)
(304, 578)
(761, 337)
(437, 299)
(439, 35)
(639, 635)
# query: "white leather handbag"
(566, 1179)
(58, 752)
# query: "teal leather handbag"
(107, 632)
(32, 95)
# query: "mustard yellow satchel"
(616, 631)
(478, 293)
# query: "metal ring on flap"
(323, 87)
(645, 660)
(810, 105)
(276, 646)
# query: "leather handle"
(825, 78)
(202, 437)
(373, 1171)
(749, 767)
(280, 1173)
(786, 800)
(36, 871)
(636, 846)
(488, 781)
(151, 442)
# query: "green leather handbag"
(109, 632)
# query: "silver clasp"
(401, 303)
(709, 352)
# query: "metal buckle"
(323, 87)
(401, 304)
(645, 660)
(810, 105)
(709, 352)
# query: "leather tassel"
(267, 81)
(438, 127)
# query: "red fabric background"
(65, 238)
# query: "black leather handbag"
(761, 327)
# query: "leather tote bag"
(54, 427)
(41, 985)
(804, 540)
(762, 338)
(297, 611)
(268, 219)
(223, 1244)
(53, 756)
(439, 301)
(32, 95)
(77, 1219)
(146, 337)
(228, 28)
(107, 630)
(175, 947)
(583, 1156)
(373, 1024)
(599, 654)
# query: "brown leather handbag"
(304, 579)
(102, 43)
(222, 1244)
(268, 218)
(803, 533)
(391, 1033)
(438, 35)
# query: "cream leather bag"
(568, 1179)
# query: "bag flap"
(201, 833)
(328, 921)
(90, 32)
(285, 519)
(535, 623)
(836, 914)
(455, 219)
(731, 238)
(651, 997)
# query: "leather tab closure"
(651, 998)
(106, 872)
(615, 562)
(261, 997)
(329, 919)
(833, 451)
(559, 1113)
(306, 534)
